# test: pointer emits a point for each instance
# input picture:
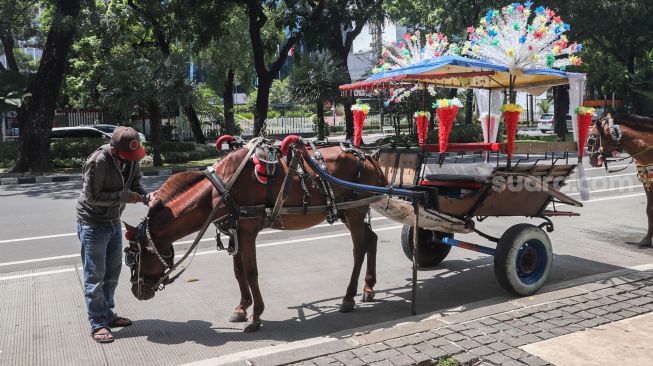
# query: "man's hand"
(134, 198)
(153, 199)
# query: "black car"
(78, 132)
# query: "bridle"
(595, 147)
(140, 244)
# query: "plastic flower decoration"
(410, 50)
(444, 103)
(426, 114)
(586, 110)
(365, 108)
(521, 38)
(512, 108)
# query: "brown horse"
(636, 139)
(185, 201)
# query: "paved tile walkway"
(496, 339)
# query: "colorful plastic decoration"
(446, 110)
(360, 111)
(508, 38)
(411, 50)
(422, 122)
(584, 121)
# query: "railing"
(74, 118)
(280, 126)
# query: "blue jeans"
(102, 260)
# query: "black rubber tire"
(543, 131)
(430, 252)
(532, 246)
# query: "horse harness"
(228, 224)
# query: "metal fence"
(280, 126)
(74, 118)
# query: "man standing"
(112, 178)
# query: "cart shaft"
(466, 245)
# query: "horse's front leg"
(647, 241)
(248, 255)
(354, 219)
(240, 313)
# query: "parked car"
(545, 122)
(110, 128)
(78, 132)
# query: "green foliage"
(208, 105)
(12, 90)
(315, 78)
(545, 105)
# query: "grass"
(447, 361)
(5, 166)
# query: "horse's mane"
(173, 186)
(634, 121)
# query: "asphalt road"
(303, 274)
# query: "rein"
(229, 202)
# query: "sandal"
(120, 322)
(102, 335)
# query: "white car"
(78, 132)
(110, 128)
(545, 122)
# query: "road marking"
(272, 231)
(36, 238)
(46, 259)
(611, 198)
(604, 176)
(37, 274)
(607, 190)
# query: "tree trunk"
(262, 104)
(7, 40)
(320, 120)
(36, 115)
(469, 104)
(229, 123)
(561, 106)
(154, 111)
(349, 119)
(195, 124)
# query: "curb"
(68, 178)
(314, 348)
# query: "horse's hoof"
(347, 306)
(367, 297)
(645, 243)
(253, 326)
(238, 317)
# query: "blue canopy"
(462, 72)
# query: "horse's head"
(601, 143)
(147, 262)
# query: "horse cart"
(441, 200)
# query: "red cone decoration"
(511, 119)
(446, 110)
(584, 121)
(360, 112)
(422, 122)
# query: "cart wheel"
(431, 251)
(523, 259)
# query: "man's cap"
(128, 143)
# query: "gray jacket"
(106, 188)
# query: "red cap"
(128, 143)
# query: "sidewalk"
(600, 320)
